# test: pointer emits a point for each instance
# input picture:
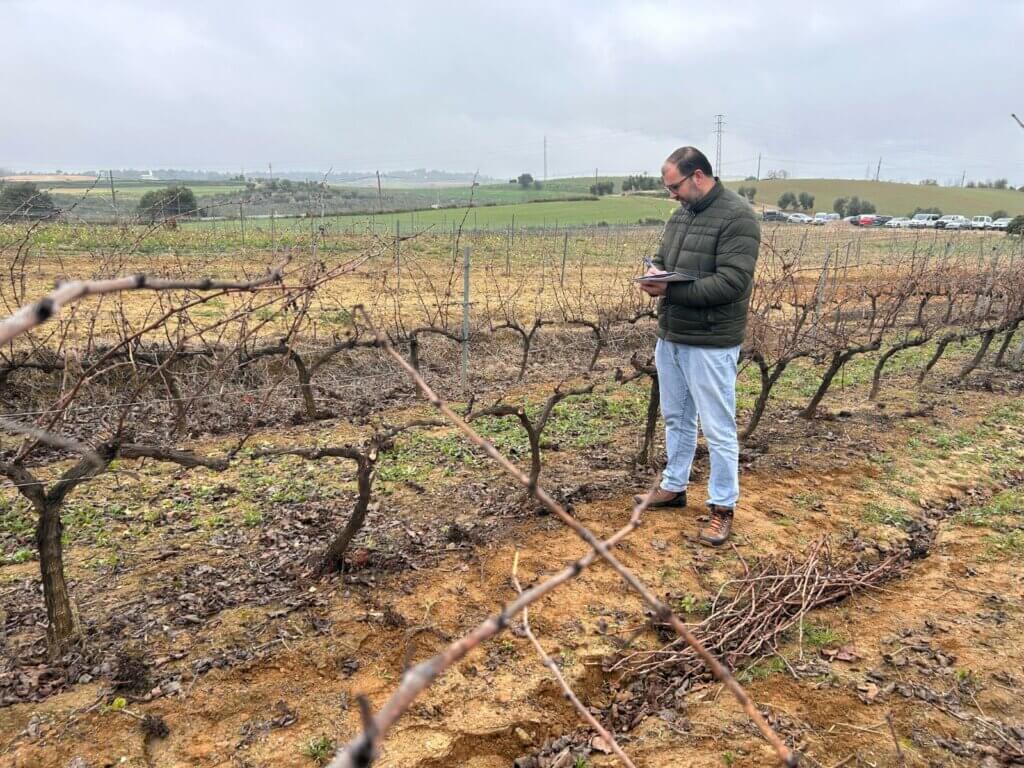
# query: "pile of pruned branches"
(746, 621)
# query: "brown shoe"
(717, 531)
(663, 498)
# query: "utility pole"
(545, 158)
(758, 166)
(878, 169)
(963, 178)
(1014, 116)
(718, 143)
(380, 198)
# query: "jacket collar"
(712, 195)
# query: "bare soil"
(203, 621)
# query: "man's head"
(687, 175)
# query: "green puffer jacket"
(718, 236)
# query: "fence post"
(508, 251)
(398, 258)
(565, 253)
(465, 316)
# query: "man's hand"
(653, 289)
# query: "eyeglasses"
(674, 188)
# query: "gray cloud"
(819, 91)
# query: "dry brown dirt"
(945, 635)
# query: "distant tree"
(839, 205)
(806, 201)
(747, 192)
(537, 184)
(174, 201)
(853, 207)
(1016, 227)
(751, 178)
(639, 183)
(25, 200)
(1000, 184)
(1000, 214)
(928, 182)
(857, 207)
(602, 188)
(972, 184)
(786, 200)
(525, 180)
(781, 173)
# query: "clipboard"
(682, 276)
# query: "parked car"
(881, 221)
(774, 216)
(953, 221)
(1001, 223)
(981, 222)
(899, 222)
(821, 219)
(799, 218)
(855, 220)
(923, 220)
(866, 220)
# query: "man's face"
(680, 187)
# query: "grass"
(1009, 503)
(319, 749)
(692, 605)
(889, 197)
(895, 199)
(762, 670)
(884, 514)
(609, 210)
(820, 636)
(1006, 545)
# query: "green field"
(890, 198)
(127, 189)
(556, 201)
(610, 210)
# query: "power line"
(718, 143)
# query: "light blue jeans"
(699, 382)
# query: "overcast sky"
(926, 86)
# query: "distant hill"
(889, 197)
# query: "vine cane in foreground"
(36, 313)
(548, 662)
(362, 750)
(661, 611)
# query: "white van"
(924, 220)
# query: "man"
(701, 325)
